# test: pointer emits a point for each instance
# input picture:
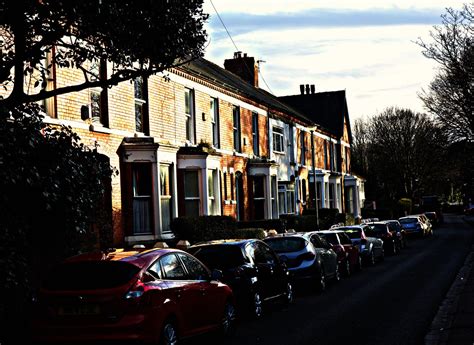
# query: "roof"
(326, 109)
(219, 76)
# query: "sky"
(366, 47)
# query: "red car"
(348, 255)
(157, 295)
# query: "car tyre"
(228, 320)
(169, 334)
(256, 305)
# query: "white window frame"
(191, 116)
(278, 139)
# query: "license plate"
(83, 309)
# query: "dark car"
(251, 268)
(348, 255)
(413, 225)
(398, 233)
(149, 296)
(307, 256)
(433, 218)
(370, 248)
(382, 230)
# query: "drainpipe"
(314, 179)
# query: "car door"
(212, 297)
(185, 293)
(267, 275)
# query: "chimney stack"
(244, 67)
(307, 89)
(302, 89)
(313, 89)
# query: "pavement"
(454, 322)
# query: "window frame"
(142, 103)
(190, 122)
(255, 134)
(278, 136)
(215, 122)
(236, 129)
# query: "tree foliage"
(450, 95)
(139, 37)
(400, 153)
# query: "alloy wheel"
(228, 322)
(169, 335)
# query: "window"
(255, 134)
(98, 96)
(286, 198)
(142, 198)
(191, 193)
(331, 196)
(212, 187)
(172, 268)
(196, 271)
(155, 270)
(190, 115)
(141, 105)
(259, 197)
(303, 149)
(236, 128)
(334, 157)
(278, 140)
(263, 254)
(214, 109)
(166, 197)
(281, 200)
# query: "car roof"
(138, 258)
(351, 227)
(294, 234)
(328, 231)
(228, 242)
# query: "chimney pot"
(313, 88)
(302, 89)
(245, 54)
(307, 89)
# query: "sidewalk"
(454, 322)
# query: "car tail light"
(136, 291)
(307, 256)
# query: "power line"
(237, 49)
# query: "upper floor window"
(255, 134)
(141, 105)
(236, 128)
(302, 148)
(98, 96)
(214, 110)
(278, 139)
(190, 115)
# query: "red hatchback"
(348, 255)
(158, 295)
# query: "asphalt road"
(391, 303)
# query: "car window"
(330, 237)
(196, 271)
(286, 244)
(324, 243)
(344, 238)
(172, 268)
(221, 257)
(319, 242)
(353, 233)
(155, 270)
(263, 255)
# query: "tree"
(402, 155)
(449, 96)
(137, 38)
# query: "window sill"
(279, 153)
(99, 128)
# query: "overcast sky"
(363, 46)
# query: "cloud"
(239, 23)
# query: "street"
(393, 302)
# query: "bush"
(203, 228)
(267, 224)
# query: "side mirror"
(217, 275)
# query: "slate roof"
(326, 109)
(215, 74)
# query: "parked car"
(307, 256)
(381, 230)
(348, 255)
(433, 218)
(413, 225)
(427, 222)
(370, 248)
(251, 268)
(149, 296)
(398, 234)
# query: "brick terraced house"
(205, 140)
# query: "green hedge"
(267, 224)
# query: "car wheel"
(321, 281)
(228, 321)
(288, 296)
(169, 335)
(256, 305)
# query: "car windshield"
(331, 238)
(352, 233)
(408, 220)
(376, 229)
(219, 256)
(90, 275)
(286, 244)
